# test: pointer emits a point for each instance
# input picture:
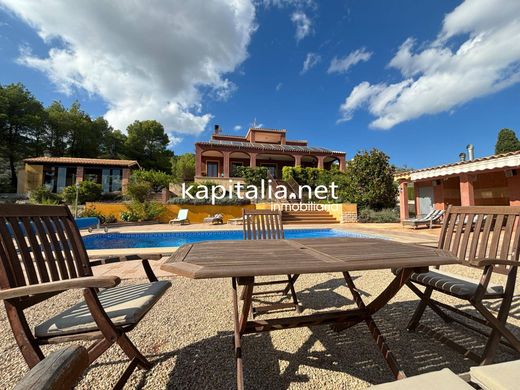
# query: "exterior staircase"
(292, 195)
(307, 217)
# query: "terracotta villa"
(223, 153)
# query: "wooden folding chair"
(267, 225)
(485, 237)
(41, 255)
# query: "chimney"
(217, 129)
(471, 150)
(462, 156)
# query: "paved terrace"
(188, 335)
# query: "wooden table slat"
(238, 258)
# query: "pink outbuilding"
(491, 180)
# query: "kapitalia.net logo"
(267, 191)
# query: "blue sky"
(418, 80)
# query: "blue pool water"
(168, 239)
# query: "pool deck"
(133, 269)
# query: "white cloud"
(310, 62)
(301, 20)
(303, 24)
(342, 65)
(174, 140)
(237, 128)
(360, 94)
(145, 62)
(443, 75)
(279, 86)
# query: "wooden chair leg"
(30, 349)
(290, 283)
(132, 352)
(149, 271)
(126, 375)
(494, 338)
(430, 303)
(419, 311)
(97, 349)
(289, 289)
(499, 326)
(503, 314)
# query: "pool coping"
(164, 251)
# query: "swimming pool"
(170, 239)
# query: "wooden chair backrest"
(39, 244)
(262, 225)
(478, 232)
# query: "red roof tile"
(82, 161)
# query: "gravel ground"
(188, 337)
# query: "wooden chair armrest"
(61, 285)
(60, 370)
(100, 260)
(484, 262)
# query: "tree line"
(28, 129)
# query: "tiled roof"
(81, 161)
(269, 147)
(492, 157)
(505, 160)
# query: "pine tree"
(507, 142)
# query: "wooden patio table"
(242, 261)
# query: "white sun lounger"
(182, 218)
(428, 220)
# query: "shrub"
(142, 211)
(110, 218)
(92, 212)
(156, 179)
(128, 216)
(152, 211)
(88, 192)
(138, 191)
(252, 176)
(312, 177)
(383, 216)
(69, 195)
(42, 195)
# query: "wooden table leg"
(364, 313)
(240, 321)
(374, 330)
